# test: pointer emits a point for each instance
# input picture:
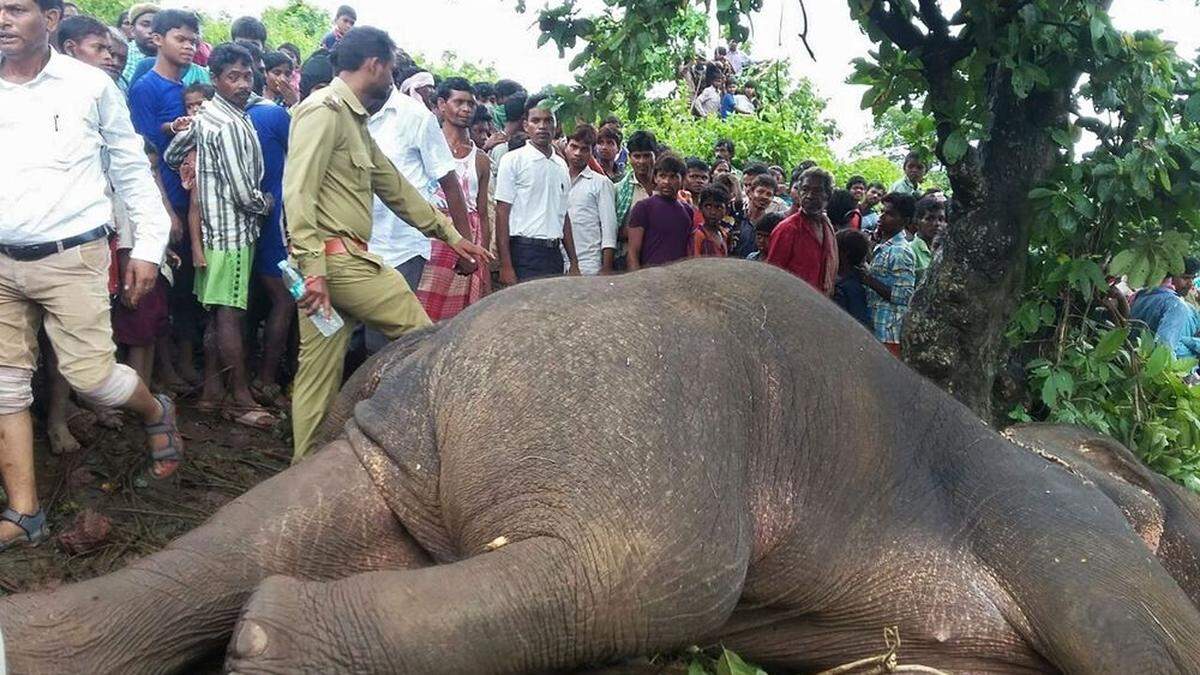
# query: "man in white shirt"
(57, 117)
(412, 138)
(531, 204)
(591, 206)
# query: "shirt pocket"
(75, 137)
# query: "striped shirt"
(229, 170)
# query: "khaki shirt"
(333, 170)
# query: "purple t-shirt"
(668, 229)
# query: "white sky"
(490, 31)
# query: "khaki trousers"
(69, 292)
(361, 288)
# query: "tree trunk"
(954, 333)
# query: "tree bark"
(954, 333)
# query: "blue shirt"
(272, 123)
(191, 76)
(728, 105)
(1174, 322)
(154, 101)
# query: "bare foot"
(10, 531)
(61, 442)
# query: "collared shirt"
(629, 192)
(905, 187)
(870, 221)
(334, 169)
(131, 62)
(708, 103)
(229, 169)
(411, 137)
(592, 207)
(921, 254)
(795, 247)
(1174, 322)
(62, 132)
(536, 186)
(895, 266)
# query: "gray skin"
(576, 471)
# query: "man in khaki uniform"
(334, 169)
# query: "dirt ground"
(108, 480)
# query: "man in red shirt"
(804, 243)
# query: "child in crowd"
(711, 238)
(928, 225)
(194, 97)
(660, 227)
(848, 291)
(762, 234)
(914, 175)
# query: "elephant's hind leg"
(532, 606)
(322, 519)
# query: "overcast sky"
(490, 31)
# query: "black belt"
(30, 252)
(530, 241)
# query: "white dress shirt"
(411, 137)
(54, 130)
(593, 210)
(536, 186)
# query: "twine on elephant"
(888, 662)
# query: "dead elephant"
(581, 470)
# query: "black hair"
(854, 245)
(722, 51)
(484, 90)
(613, 120)
(925, 205)
(726, 144)
(317, 71)
(78, 27)
(452, 84)
(669, 163)
(533, 102)
(824, 176)
(713, 193)
(506, 88)
(712, 73)
(584, 134)
(203, 88)
(841, 204)
(482, 114)
(877, 186)
(766, 180)
(609, 132)
(361, 44)
(228, 54)
(248, 28)
(904, 203)
(121, 18)
(289, 47)
(756, 168)
(642, 141)
(348, 12)
(275, 59)
(767, 222)
(256, 52)
(914, 155)
(47, 5)
(514, 108)
(697, 164)
(167, 20)
(856, 180)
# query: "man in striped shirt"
(229, 170)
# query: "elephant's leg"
(320, 520)
(532, 606)
(1088, 594)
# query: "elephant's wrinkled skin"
(579, 470)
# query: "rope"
(886, 663)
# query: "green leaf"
(732, 664)
(1110, 343)
(697, 668)
(1062, 137)
(1042, 193)
(1158, 360)
(1191, 110)
(956, 147)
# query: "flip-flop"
(257, 418)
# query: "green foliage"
(723, 662)
(105, 10)
(450, 64)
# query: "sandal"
(34, 526)
(255, 418)
(166, 426)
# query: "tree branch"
(804, 32)
(932, 17)
(893, 24)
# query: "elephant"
(580, 470)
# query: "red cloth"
(443, 292)
(855, 221)
(794, 247)
(143, 326)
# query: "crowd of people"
(238, 223)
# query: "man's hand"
(316, 297)
(198, 259)
(472, 252)
(465, 267)
(574, 270)
(270, 200)
(508, 276)
(140, 277)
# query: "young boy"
(660, 227)
(194, 98)
(762, 235)
(848, 291)
(929, 221)
(711, 238)
(343, 21)
(914, 175)
(893, 275)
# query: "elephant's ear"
(363, 383)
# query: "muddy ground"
(108, 479)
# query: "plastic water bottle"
(295, 283)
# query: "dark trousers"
(535, 258)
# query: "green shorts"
(226, 279)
